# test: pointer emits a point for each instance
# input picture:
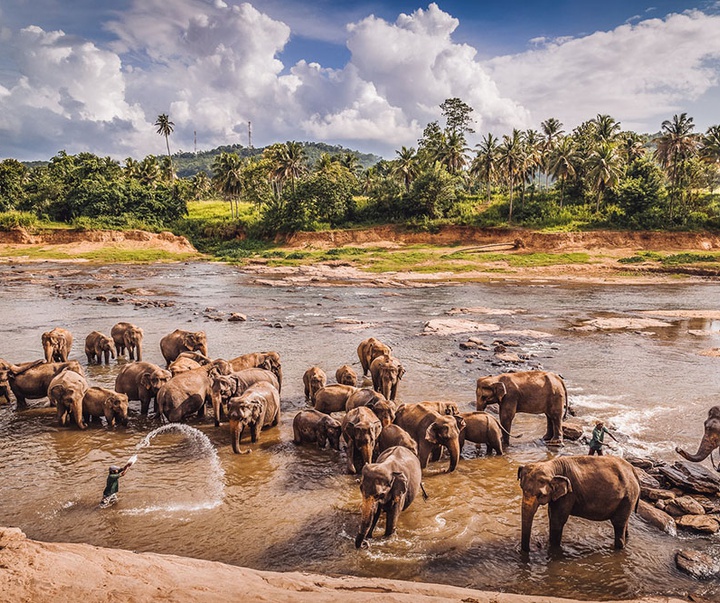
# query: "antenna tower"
(250, 135)
(195, 140)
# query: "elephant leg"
(374, 521)
(549, 429)
(555, 426)
(557, 523)
(144, 403)
(253, 432)
(201, 411)
(436, 453)
(77, 413)
(61, 414)
(620, 522)
(350, 452)
(507, 414)
(423, 454)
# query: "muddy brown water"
(294, 508)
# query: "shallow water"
(290, 508)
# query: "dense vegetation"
(597, 175)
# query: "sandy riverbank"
(40, 572)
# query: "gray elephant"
(364, 396)
(99, 347)
(57, 344)
(31, 380)
(186, 393)
(6, 368)
(100, 402)
(360, 429)
(128, 337)
(431, 431)
(235, 383)
(311, 425)
(270, 361)
(710, 440)
(333, 398)
(142, 381)
(388, 485)
(535, 392)
(66, 392)
(345, 375)
(386, 372)
(313, 379)
(482, 428)
(595, 488)
(257, 408)
(394, 435)
(183, 341)
(369, 349)
(186, 361)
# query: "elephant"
(142, 381)
(394, 435)
(386, 372)
(270, 361)
(56, 344)
(186, 393)
(183, 341)
(596, 488)
(482, 428)
(368, 350)
(360, 429)
(99, 347)
(364, 396)
(66, 391)
(187, 361)
(384, 410)
(236, 382)
(345, 375)
(311, 425)
(313, 380)
(100, 402)
(442, 407)
(6, 368)
(535, 392)
(388, 485)
(256, 408)
(32, 379)
(431, 431)
(333, 398)
(710, 439)
(128, 336)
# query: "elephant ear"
(145, 380)
(430, 433)
(401, 372)
(559, 487)
(399, 485)
(461, 424)
(349, 430)
(521, 472)
(500, 390)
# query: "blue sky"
(93, 75)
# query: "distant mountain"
(188, 164)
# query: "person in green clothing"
(112, 484)
(598, 434)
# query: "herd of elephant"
(388, 443)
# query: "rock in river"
(691, 477)
(697, 564)
(657, 518)
(707, 524)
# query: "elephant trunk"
(368, 510)
(529, 508)
(139, 351)
(235, 431)
(707, 445)
(453, 447)
(386, 388)
(366, 452)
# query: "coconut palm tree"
(485, 164)
(451, 152)
(289, 163)
(406, 167)
(562, 163)
(132, 168)
(510, 160)
(200, 185)
(604, 170)
(368, 179)
(532, 158)
(165, 127)
(631, 147)
(149, 171)
(674, 147)
(552, 133)
(605, 128)
(227, 178)
(710, 145)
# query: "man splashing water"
(112, 484)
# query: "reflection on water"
(293, 508)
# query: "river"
(285, 507)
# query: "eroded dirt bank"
(39, 572)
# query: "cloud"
(640, 74)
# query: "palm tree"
(165, 127)
(510, 161)
(675, 146)
(368, 179)
(132, 168)
(149, 171)
(289, 163)
(532, 158)
(167, 173)
(605, 128)
(227, 178)
(200, 185)
(710, 145)
(631, 147)
(406, 166)
(604, 169)
(451, 152)
(485, 164)
(350, 161)
(552, 133)
(561, 163)
(324, 162)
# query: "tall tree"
(562, 163)
(452, 152)
(289, 163)
(510, 161)
(552, 133)
(228, 179)
(485, 164)
(457, 116)
(604, 170)
(165, 127)
(676, 145)
(605, 128)
(405, 167)
(710, 146)
(532, 159)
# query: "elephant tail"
(567, 399)
(425, 494)
(506, 431)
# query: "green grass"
(106, 255)
(675, 259)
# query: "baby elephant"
(389, 485)
(99, 346)
(258, 407)
(100, 402)
(482, 428)
(315, 426)
(345, 375)
(66, 391)
(394, 435)
(314, 379)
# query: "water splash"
(204, 448)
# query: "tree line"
(595, 175)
